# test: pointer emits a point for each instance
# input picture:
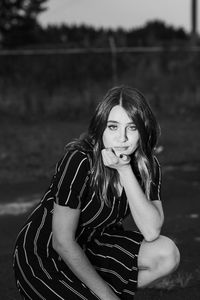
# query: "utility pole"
(193, 21)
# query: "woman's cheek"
(107, 140)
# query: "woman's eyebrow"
(117, 122)
(112, 121)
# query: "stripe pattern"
(39, 271)
(155, 191)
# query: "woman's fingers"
(109, 158)
(125, 157)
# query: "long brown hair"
(137, 108)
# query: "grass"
(177, 280)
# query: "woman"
(73, 245)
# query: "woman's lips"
(121, 148)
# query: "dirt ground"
(181, 201)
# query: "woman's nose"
(123, 135)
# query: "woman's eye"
(132, 127)
(112, 127)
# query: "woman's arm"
(147, 214)
(65, 221)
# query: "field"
(28, 155)
(30, 149)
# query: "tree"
(18, 18)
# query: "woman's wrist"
(124, 169)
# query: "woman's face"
(120, 134)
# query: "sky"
(127, 14)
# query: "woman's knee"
(161, 256)
(168, 255)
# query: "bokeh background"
(57, 60)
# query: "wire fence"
(113, 49)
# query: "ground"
(23, 178)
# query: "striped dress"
(42, 274)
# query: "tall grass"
(177, 280)
(71, 85)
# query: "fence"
(44, 81)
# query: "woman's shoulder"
(77, 155)
(75, 158)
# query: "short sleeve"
(155, 189)
(71, 178)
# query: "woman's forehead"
(119, 114)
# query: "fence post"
(113, 59)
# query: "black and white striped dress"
(42, 274)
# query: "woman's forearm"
(144, 212)
(75, 258)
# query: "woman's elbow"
(153, 231)
(152, 235)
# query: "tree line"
(19, 28)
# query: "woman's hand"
(111, 160)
